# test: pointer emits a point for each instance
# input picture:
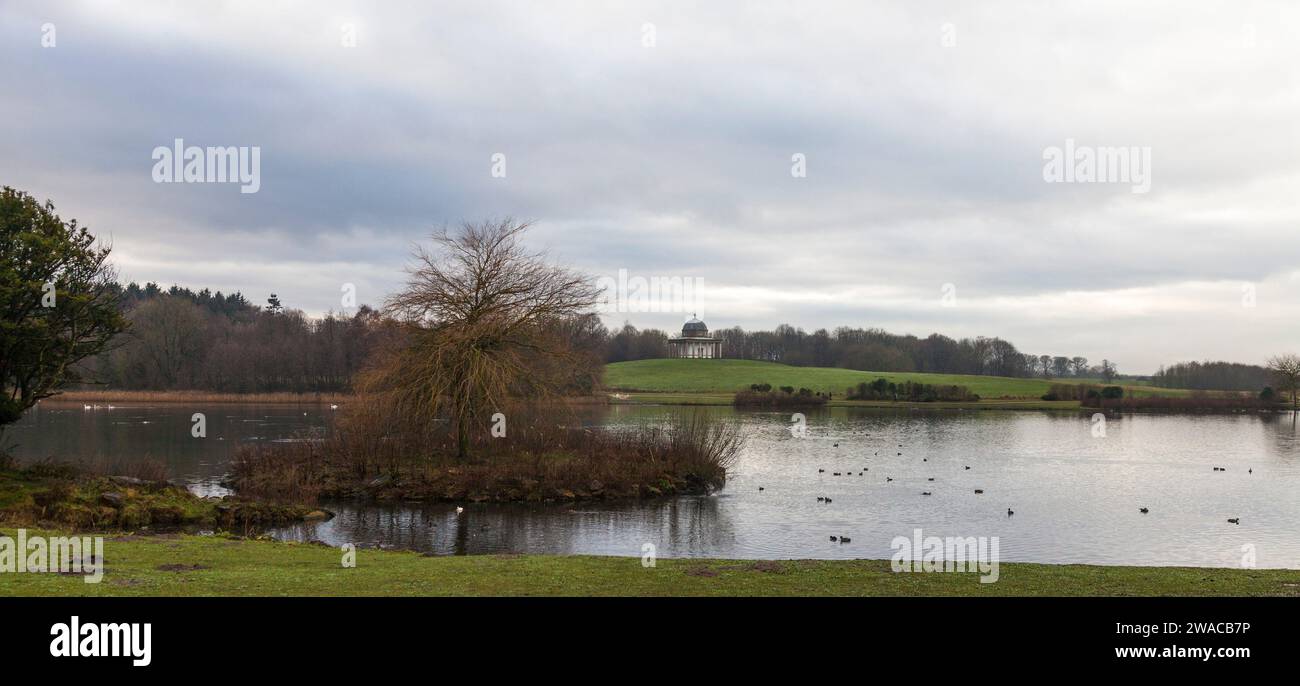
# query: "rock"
(127, 481)
(596, 486)
(112, 499)
(380, 481)
(318, 516)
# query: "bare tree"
(1287, 370)
(483, 321)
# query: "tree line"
(179, 339)
(868, 350)
(1213, 376)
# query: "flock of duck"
(979, 491)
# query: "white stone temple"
(695, 341)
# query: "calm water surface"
(1076, 497)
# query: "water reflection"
(692, 526)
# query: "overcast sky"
(661, 138)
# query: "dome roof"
(694, 326)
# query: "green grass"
(215, 565)
(728, 376)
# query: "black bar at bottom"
(534, 636)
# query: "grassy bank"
(728, 376)
(67, 496)
(213, 565)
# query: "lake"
(1076, 495)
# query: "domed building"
(695, 341)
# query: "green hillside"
(725, 376)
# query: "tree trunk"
(462, 436)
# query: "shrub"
(880, 389)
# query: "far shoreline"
(613, 397)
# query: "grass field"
(181, 565)
(726, 376)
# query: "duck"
(834, 539)
(837, 445)
(889, 478)
(979, 490)
(820, 498)
(828, 500)
(1234, 520)
(925, 493)
(1143, 510)
(460, 510)
(1010, 512)
(967, 466)
(845, 539)
(760, 488)
(821, 471)
(930, 479)
(334, 407)
(835, 473)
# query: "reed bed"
(1197, 402)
